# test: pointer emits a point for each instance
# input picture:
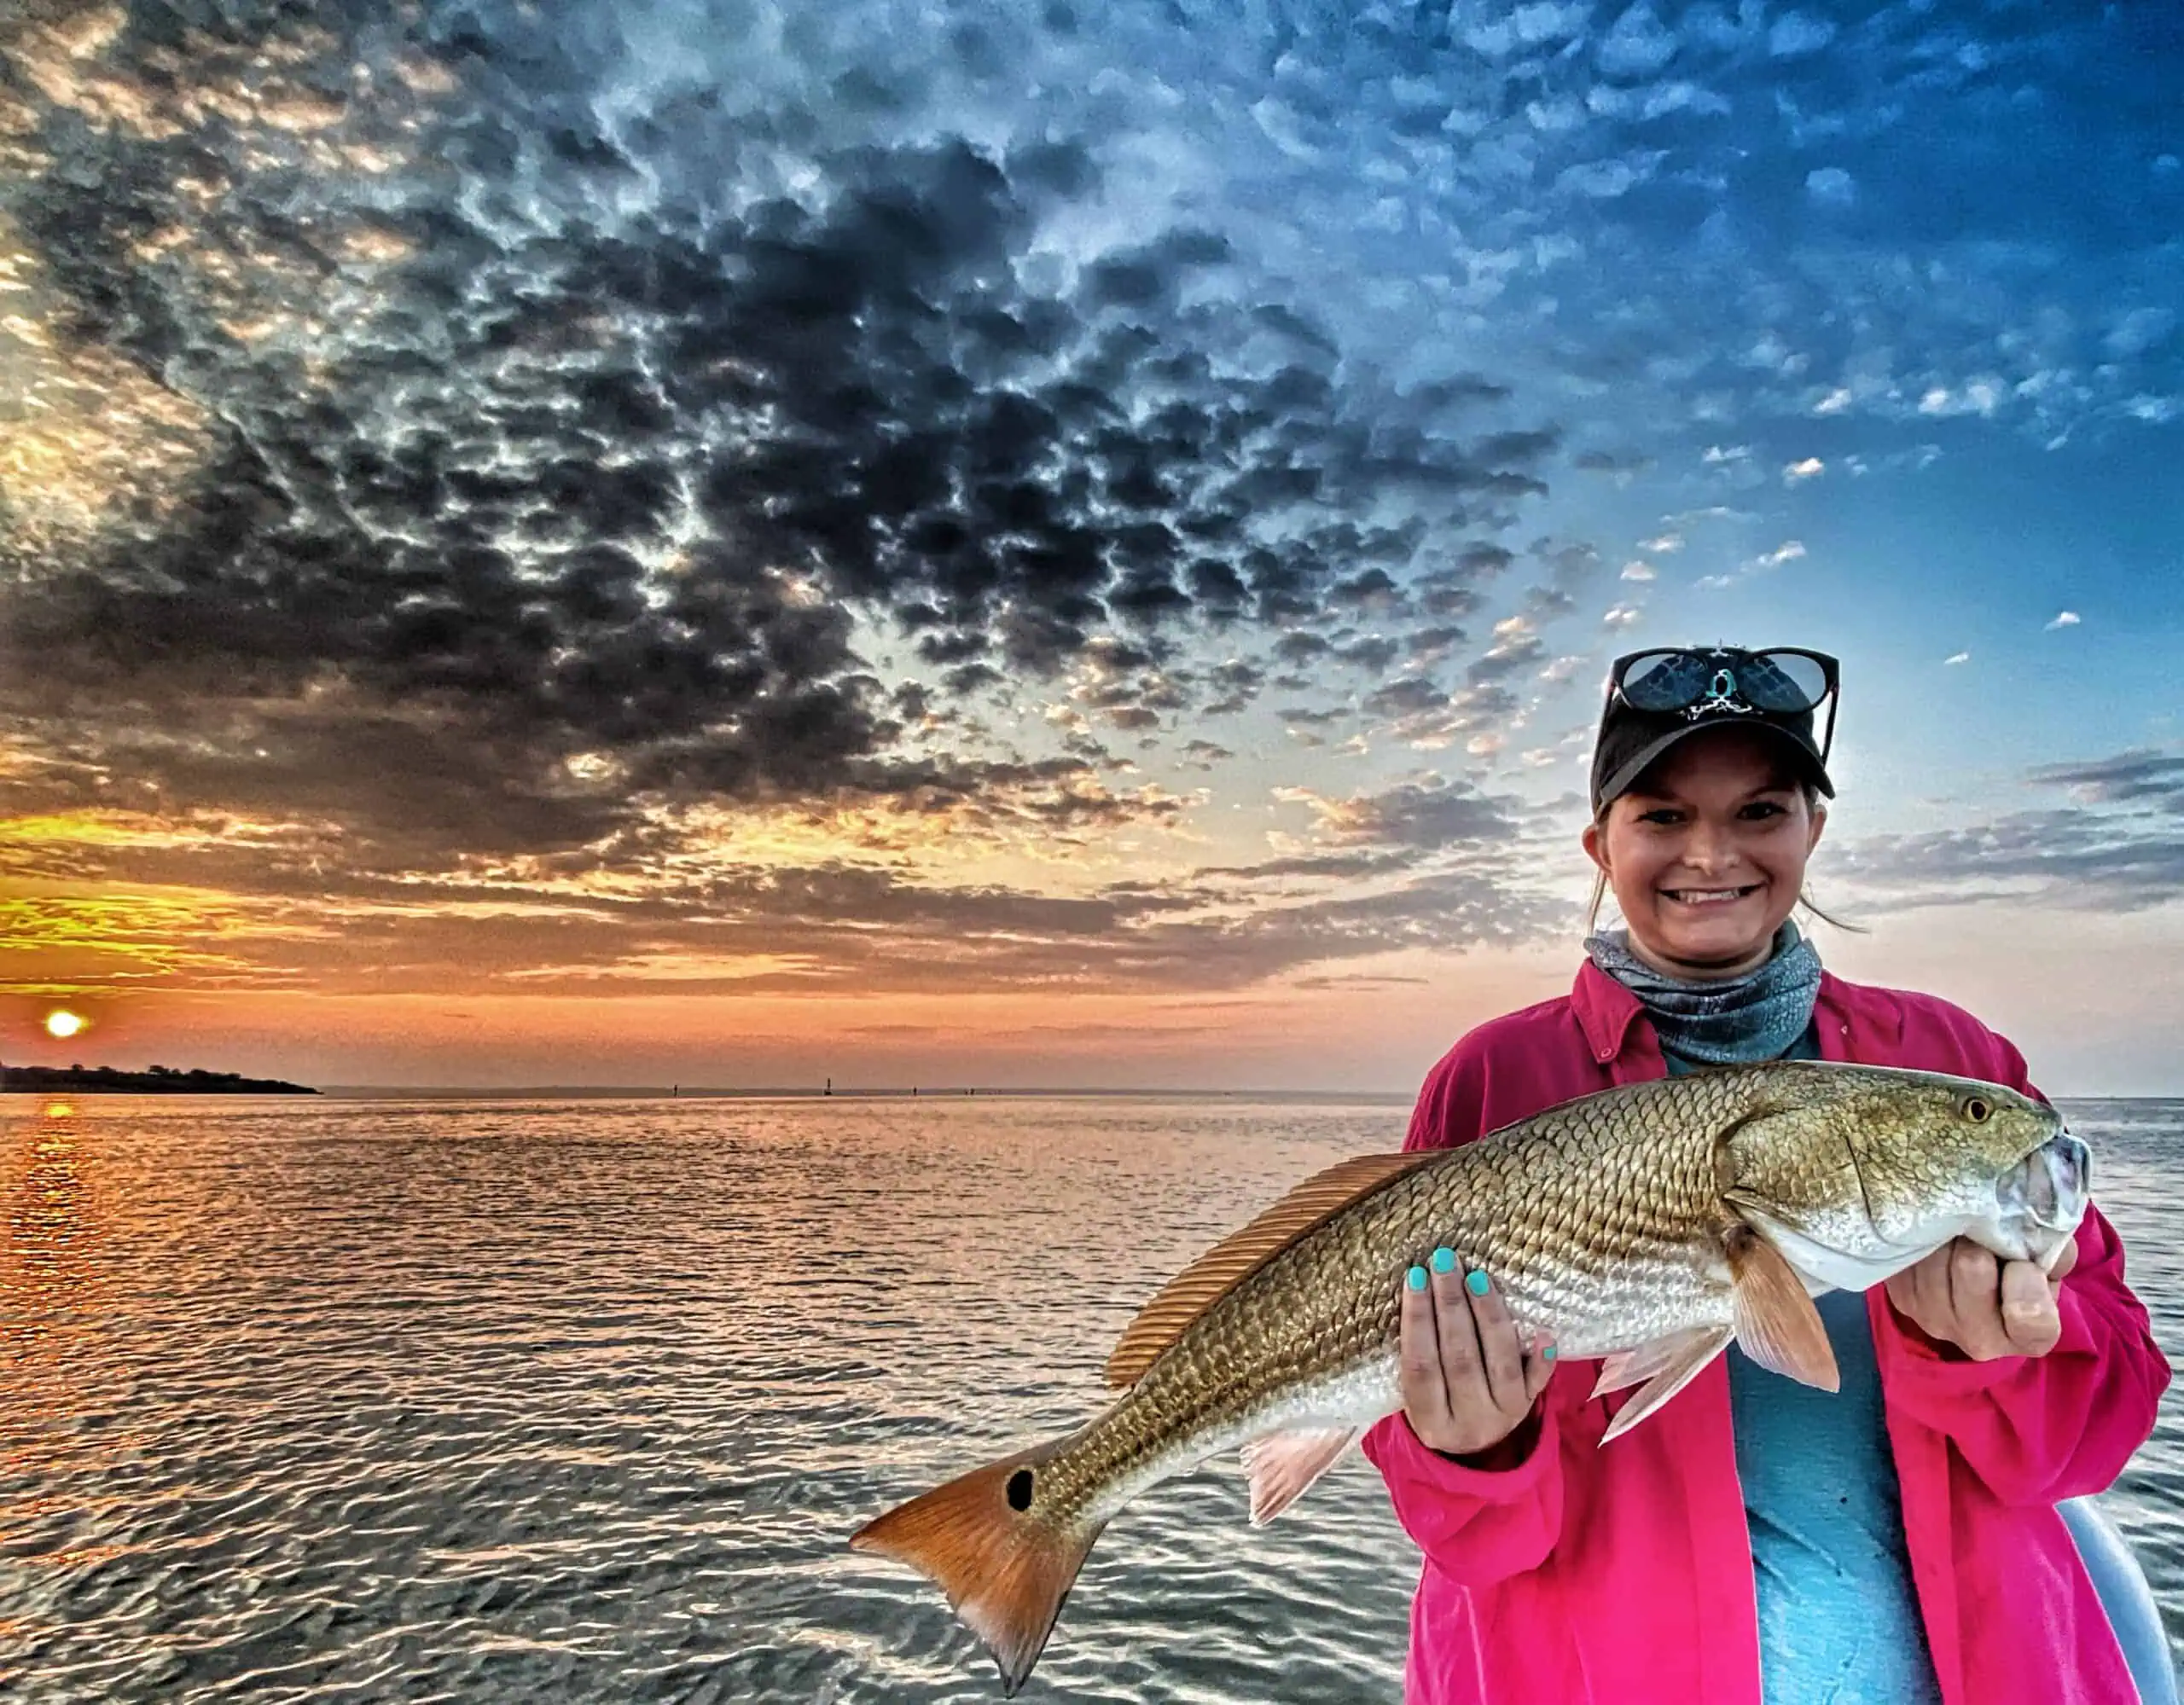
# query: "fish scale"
(1645, 1224)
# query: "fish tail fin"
(983, 1540)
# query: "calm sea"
(579, 1400)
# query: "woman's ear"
(1595, 845)
(1819, 822)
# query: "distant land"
(158, 1080)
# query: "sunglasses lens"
(1666, 681)
(1783, 681)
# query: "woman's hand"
(1467, 1378)
(1988, 1307)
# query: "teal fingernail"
(1444, 1261)
(1476, 1281)
(1548, 1353)
(1415, 1278)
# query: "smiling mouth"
(1710, 897)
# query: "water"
(504, 1400)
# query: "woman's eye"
(1762, 807)
(1660, 814)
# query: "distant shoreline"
(582, 1092)
(104, 1080)
(374, 1092)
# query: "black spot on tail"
(1019, 1489)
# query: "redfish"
(1648, 1225)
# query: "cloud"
(1517, 645)
(1797, 473)
(2065, 618)
(531, 430)
(2136, 330)
(1426, 815)
(2143, 776)
(482, 455)
(1796, 34)
(1637, 45)
(2116, 848)
(1956, 658)
(1832, 187)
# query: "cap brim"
(1808, 760)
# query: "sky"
(1054, 544)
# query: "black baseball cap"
(1658, 697)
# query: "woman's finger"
(1974, 1279)
(1914, 1291)
(1425, 1392)
(2030, 1319)
(1460, 1363)
(1539, 1368)
(1500, 1352)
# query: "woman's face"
(1706, 853)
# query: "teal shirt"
(1839, 1617)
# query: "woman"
(1756, 1542)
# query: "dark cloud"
(532, 451)
(2142, 777)
(1345, 865)
(508, 467)
(1373, 652)
(1430, 645)
(1235, 684)
(1621, 466)
(2118, 849)
(1406, 696)
(1425, 815)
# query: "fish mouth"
(2045, 1195)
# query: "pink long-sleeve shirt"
(1624, 1575)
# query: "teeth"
(1701, 895)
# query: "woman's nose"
(1708, 848)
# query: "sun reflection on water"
(50, 1279)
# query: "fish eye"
(1976, 1108)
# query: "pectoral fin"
(1776, 1324)
(1666, 1364)
(1283, 1466)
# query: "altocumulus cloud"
(553, 449)
(2117, 845)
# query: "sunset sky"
(613, 542)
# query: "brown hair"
(1804, 895)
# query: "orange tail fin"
(1005, 1568)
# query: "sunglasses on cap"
(1699, 682)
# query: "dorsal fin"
(1214, 1274)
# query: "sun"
(63, 1022)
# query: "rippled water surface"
(579, 1400)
